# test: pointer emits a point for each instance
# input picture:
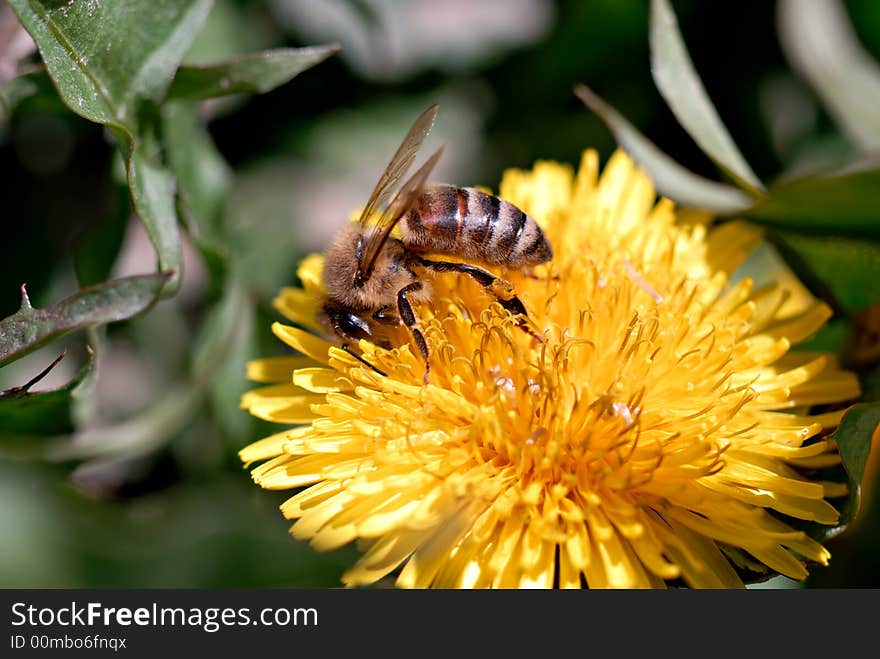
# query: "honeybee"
(373, 279)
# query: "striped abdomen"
(473, 225)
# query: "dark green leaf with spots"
(111, 301)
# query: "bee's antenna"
(363, 361)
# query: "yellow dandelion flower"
(659, 433)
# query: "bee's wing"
(400, 163)
(398, 207)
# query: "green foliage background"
(160, 186)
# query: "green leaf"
(832, 337)
(106, 57)
(853, 437)
(254, 73)
(679, 84)
(111, 301)
(44, 412)
(821, 44)
(844, 204)
(672, 180)
(152, 194)
(203, 176)
(844, 265)
(106, 60)
(227, 331)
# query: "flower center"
(602, 403)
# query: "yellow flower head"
(657, 433)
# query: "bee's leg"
(409, 319)
(488, 281)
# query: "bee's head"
(345, 323)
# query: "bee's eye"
(353, 326)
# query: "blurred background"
(176, 508)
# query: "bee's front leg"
(409, 319)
